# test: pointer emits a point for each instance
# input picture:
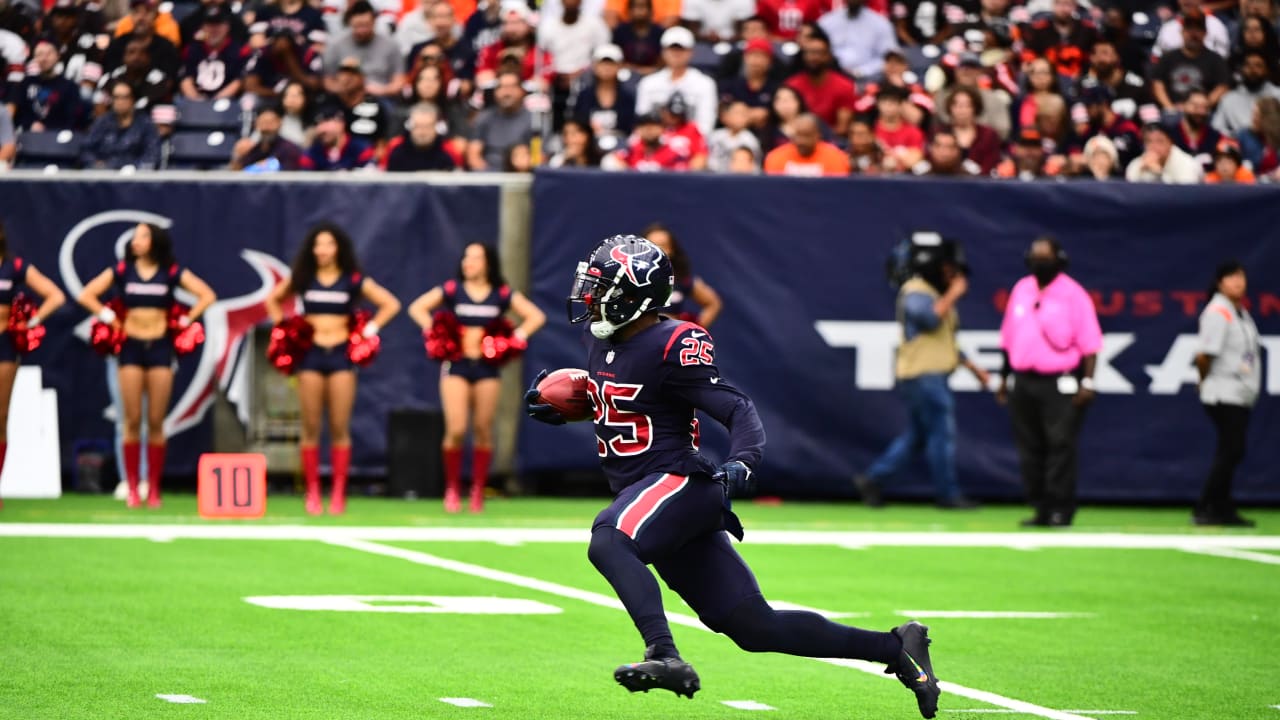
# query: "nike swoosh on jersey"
(697, 334)
(715, 380)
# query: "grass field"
(1133, 613)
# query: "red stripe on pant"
(648, 502)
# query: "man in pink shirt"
(1051, 338)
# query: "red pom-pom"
(25, 338)
(106, 339)
(500, 344)
(444, 339)
(185, 339)
(290, 340)
(362, 350)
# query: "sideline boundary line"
(601, 600)
(507, 535)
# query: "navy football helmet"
(623, 278)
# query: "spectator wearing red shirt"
(1063, 39)
(977, 142)
(903, 142)
(682, 135)
(807, 155)
(785, 17)
(516, 34)
(828, 94)
(648, 152)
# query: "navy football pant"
(677, 525)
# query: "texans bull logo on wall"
(220, 362)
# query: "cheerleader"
(14, 274)
(691, 292)
(469, 385)
(145, 282)
(326, 277)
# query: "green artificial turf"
(96, 628)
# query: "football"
(566, 391)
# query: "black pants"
(1045, 427)
(1232, 424)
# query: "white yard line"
(1002, 711)
(607, 601)
(510, 536)
(466, 702)
(181, 699)
(1236, 554)
(747, 705)
(992, 614)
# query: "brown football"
(566, 391)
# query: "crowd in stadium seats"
(1140, 90)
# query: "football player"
(647, 376)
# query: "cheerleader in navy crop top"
(326, 279)
(478, 297)
(692, 299)
(145, 282)
(15, 275)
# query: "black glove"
(737, 478)
(537, 409)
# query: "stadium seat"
(222, 115)
(200, 149)
(60, 148)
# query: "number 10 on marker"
(232, 485)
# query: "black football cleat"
(914, 669)
(669, 673)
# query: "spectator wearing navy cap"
(682, 135)
(1188, 68)
(334, 148)
(698, 90)
(285, 59)
(604, 103)
(755, 84)
(828, 93)
(1101, 120)
(1162, 161)
(212, 66)
(266, 151)
(192, 26)
(46, 100)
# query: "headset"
(1058, 252)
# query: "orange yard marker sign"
(232, 485)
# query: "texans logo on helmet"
(226, 322)
(633, 265)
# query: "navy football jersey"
(645, 391)
(13, 275)
(153, 292)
